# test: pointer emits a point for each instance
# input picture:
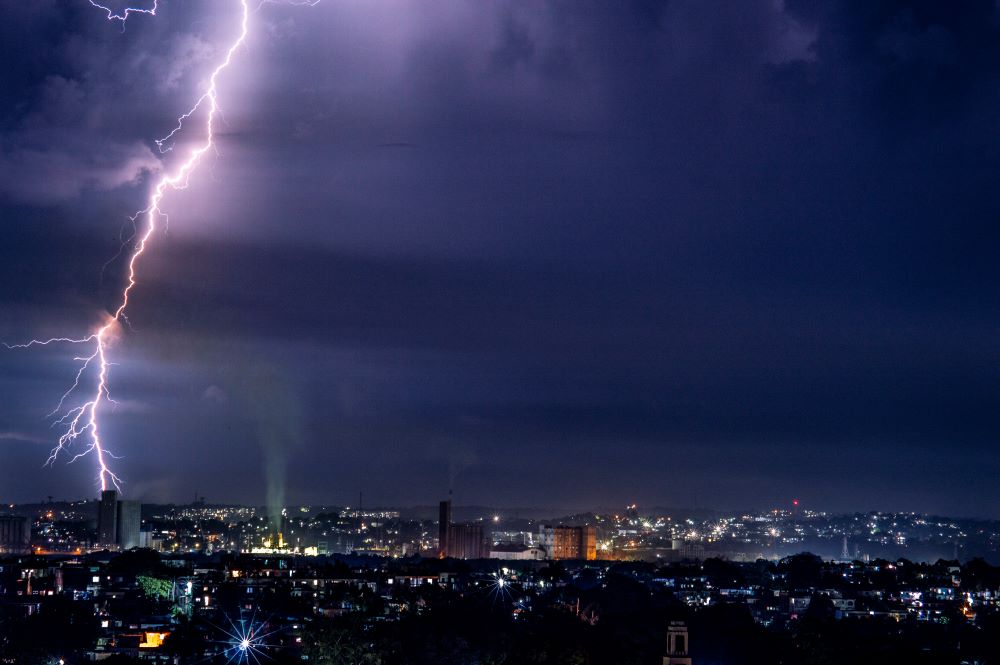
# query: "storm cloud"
(674, 252)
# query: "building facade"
(118, 522)
(107, 519)
(515, 552)
(465, 541)
(444, 526)
(128, 520)
(569, 542)
(15, 534)
(677, 644)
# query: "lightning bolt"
(123, 16)
(82, 420)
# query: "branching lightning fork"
(82, 420)
(124, 13)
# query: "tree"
(326, 645)
(155, 587)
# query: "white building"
(510, 552)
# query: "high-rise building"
(129, 517)
(569, 542)
(588, 543)
(15, 534)
(461, 541)
(118, 522)
(444, 526)
(465, 541)
(565, 543)
(107, 519)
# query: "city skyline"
(634, 533)
(683, 254)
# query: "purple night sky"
(573, 254)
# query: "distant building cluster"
(470, 541)
(114, 523)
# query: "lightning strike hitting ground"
(82, 420)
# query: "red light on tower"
(795, 502)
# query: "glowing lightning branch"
(123, 16)
(83, 419)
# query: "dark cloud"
(678, 252)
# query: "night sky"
(563, 254)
